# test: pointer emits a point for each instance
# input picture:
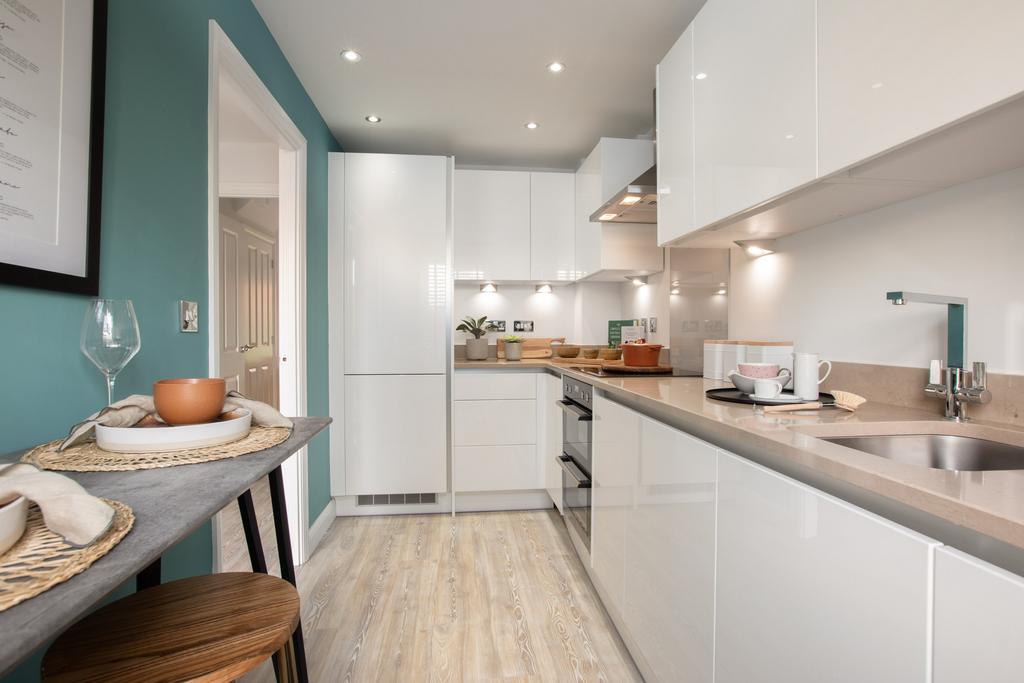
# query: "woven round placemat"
(88, 457)
(41, 559)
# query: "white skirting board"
(345, 506)
(319, 529)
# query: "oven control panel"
(578, 392)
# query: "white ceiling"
(461, 77)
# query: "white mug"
(806, 372)
(767, 388)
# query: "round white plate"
(160, 439)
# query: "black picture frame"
(89, 284)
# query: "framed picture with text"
(52, 69)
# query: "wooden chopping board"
(533, 347)
(580, 360)
(637, 370)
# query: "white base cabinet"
(979, 621)
(810, 588)
(549, 416)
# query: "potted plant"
(476, 348)
(513, 347)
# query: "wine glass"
(110, 337)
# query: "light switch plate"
(188, 316)
(654, 325)
(497, 325)
(522, 326)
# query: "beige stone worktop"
(991, 503)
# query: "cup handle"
(827, 372)
(786, 372)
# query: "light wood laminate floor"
(496, 596)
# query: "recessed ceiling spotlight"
(532, 125)
(701, 76)
(351, 56)
(372, 118)
(789, 136)
(556, 67)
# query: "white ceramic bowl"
(12, 522)
(158, 439)
(746, 384)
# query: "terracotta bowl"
(568, 350)
(640, 355)
(590, 353)
(189, 401)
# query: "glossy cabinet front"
(754, 103)
(674, 113)
(549, 392)
(552, 220)
(889, 72)
(979, 621)
(810, 588)
(492, 225)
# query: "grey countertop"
(169, 504)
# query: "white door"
(810, 588)
(492, 225)
(674, 112)
(552, 226)
(248, 305)
(549, 391)
(396, 264)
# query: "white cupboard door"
(494, 423)
(552, 226)
(616, 444)
(588, 197)
(754, 103)
(395, 434)
(492, 225)
(674, 121)
(891, 71)
(395, 262)
(978, 620)
(810, 588)
(670, 555)
(552, 438)
(494, 468)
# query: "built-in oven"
(576, 460)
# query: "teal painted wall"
(154, 237)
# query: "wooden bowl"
(568, 350)
(590, 353)
(610, 354)
(189, 401)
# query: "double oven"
(577, 456)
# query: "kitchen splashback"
(698, 303)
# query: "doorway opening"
(257, 274)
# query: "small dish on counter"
(610, 354)
(567, 350)
(189, 401)
(158, 438)
(590, 353)
(746, 384)
(12, 522)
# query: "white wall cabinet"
(670, 555)
(552, 233)
(889, 72)
(492, 225)
(978, 620)
(674, 116)
(549, 392)
(810, 588)
(754, 103)
(382, 457)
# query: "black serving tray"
(731, 395)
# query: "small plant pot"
(513, 350)
(476, 349)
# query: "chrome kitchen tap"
(957, 387)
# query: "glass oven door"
(576, 497)
(577, 434)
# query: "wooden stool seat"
(205, 628)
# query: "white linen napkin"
(68, 509)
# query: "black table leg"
(251, 527)
(284, 554)
(148, 577)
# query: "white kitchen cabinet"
(618, 247)
(754, 103)
(810, 588)
(889, 72)
(394, 450)
(552, 226)
(486, 386)
(492, 225)
(495, 468)
(670, 555)
(978, 620)
(494, 423)
(616, 451)
(674, 121)
(395, 249)
(549, 392)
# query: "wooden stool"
(206, 628)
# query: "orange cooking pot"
(640, 355)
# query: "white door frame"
(227, 61)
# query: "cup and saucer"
(764, 381)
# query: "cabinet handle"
(570, 407)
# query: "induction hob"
(599, 372)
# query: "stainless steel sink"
(938, 451)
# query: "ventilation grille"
(397, 499)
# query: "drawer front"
(488, 386)
(494, 423)
(495, 468)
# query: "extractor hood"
(635, 203)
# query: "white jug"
(806, 371)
